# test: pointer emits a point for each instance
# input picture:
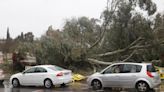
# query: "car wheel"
(47, 83)
(142, 87)
(15, 82)
(96, 84)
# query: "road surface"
(73, 87)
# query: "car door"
(28, 77)
(110, 76)
(129, 75)
(40, 74)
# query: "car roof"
(133, 63)
(45, 66)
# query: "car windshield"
(56, 68)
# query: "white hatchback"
(141, 76)
(42, 75)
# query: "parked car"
(42, 75)
(141, 76)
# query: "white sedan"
(42, 75)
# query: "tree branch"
(105, 24)
(97, 41)
(95, 61)
(129, 56)
(121, 50)
(135, 42)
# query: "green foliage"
(47, 52)
(124, 25)
(121, 25)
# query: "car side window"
(31, 70)
(138, 68)
(40, 70)
(116, 69)
(113, 69)
(129, 68)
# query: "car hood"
(96, 74)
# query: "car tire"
(15, 82)
(142, 87)
(48, 83)
(96, 85)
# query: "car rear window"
(56, 68)
(151, 68)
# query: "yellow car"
(78, 77)
(160, 71)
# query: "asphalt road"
(73, 87)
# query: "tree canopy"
(121, 34)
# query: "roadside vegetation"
(122, 34)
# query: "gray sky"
(36, 15)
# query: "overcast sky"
(36, 15)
